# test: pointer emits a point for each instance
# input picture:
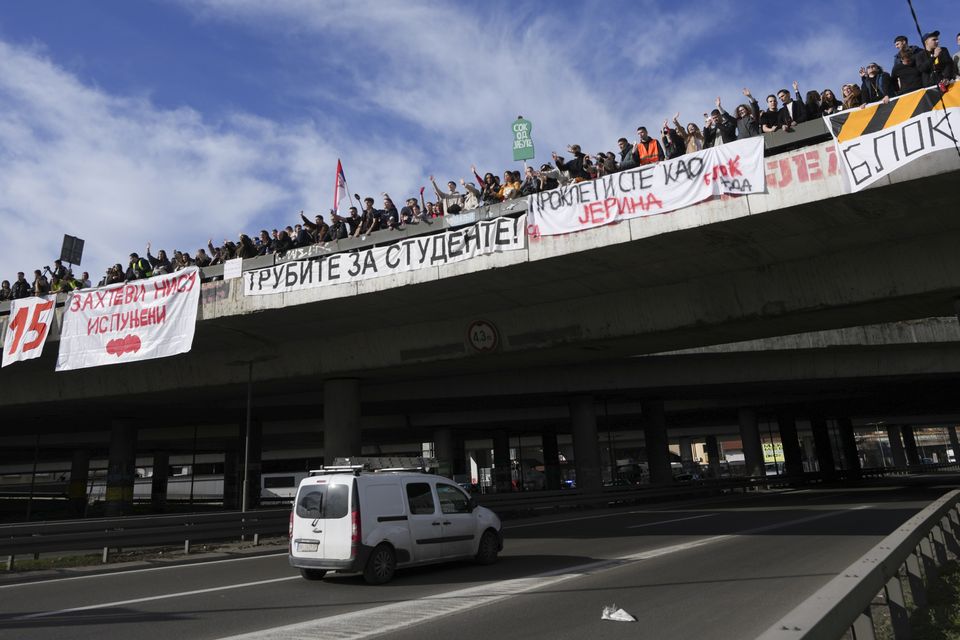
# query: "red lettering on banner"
(729, 170)
(598, 213)
(125, 320)
(177, 284)
(733, 167)
(21, 329)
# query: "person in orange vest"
(649, 149)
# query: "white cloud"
(118, 171)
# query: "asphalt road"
(711, 569)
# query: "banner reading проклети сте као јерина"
(735, 168)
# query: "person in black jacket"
(319, 230)
(934, 61)
(673, 145)
(906, 76)
(720, 128)
(875, 84)
(575, 166)
(628, 155)
(901, 43)
(20, 288)
(792, 112)
(245, 247)
(160, 263)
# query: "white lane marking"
(653, 524)
(121, 572)
(366, 623)
(595, 517)
(106, 605)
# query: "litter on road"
(617, 615)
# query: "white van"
(351, 519)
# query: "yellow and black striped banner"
(876, 117)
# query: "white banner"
(138, 320)
(30, 320)
(874, 141)
(734, 168)
(490, 236)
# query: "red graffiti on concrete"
(805, 165)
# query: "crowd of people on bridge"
(914, 67)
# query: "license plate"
(307, 546)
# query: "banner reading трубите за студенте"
(410, 254)
(138, 320)
(735, 168)
(875, 140)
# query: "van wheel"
(488, 549)
(381, 565)
(313, 574)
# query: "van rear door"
(321, 528)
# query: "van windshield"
(323, 501)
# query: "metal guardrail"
(912, 554)
(138, 531)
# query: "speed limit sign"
(483, 336)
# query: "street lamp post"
(246, 446)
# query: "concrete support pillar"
(792, 454)
(551, 461)
(121, 468)
(158, 486)
(341, 419)
(824, 450)
(896, 447)
(443, 449)
(848, 444)
(686, 451)
(954, 443)
(910, 445)
(77, 489)
(712, 446)
(655, 435)
(501, 462)
(460, 468)
(586, 446)
(750, 440)
(231, 479)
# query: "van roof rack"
(379, 464)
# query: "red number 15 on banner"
(30, 320)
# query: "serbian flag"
(341, 194)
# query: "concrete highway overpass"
(804, 301)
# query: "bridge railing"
(909, 557)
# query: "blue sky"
(128, 121)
